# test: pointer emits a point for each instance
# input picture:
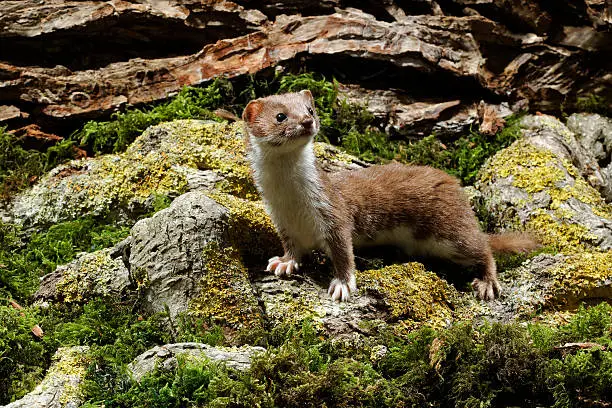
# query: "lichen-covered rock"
(166, 250)
(60, 387)
(546, 282)
(101, 273)
(165, 357)
(225, 295)
(404, 295)
(533, 185)
(411, 294)
(166, 159)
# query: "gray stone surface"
(594, 133)
(59, 388)
(548, 282)
(166, 250)
(305, 295)
(165, 357)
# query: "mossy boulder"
(97, 274)
(167, 159)
(165, 357)
(411, 294)
(547, 183)
(400, 296)
(61, 386)
(529, 186)
(183, 261)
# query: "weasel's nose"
(307, 123)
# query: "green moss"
(115, 135)
(411, 293)
(19, 168)
(459, 366)
(593, 103)
(23, 261)
(226, 296)
(20, 355)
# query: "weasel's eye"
(310, 111)
(281, 117)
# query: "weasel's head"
(284, 122)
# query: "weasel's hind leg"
(487, 287)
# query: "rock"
(60, 387)
(166, 252)
(98, 274)
(165, 160)
(594, 133)
(401, 114)
(115, 30)
(403, 296)
(165, 357)
(550, 133)
(546, 283)
(534, 185)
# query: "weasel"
(420, 209)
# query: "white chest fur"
(293, 194)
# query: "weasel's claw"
(281, 268)
(486, 289)
(340, 291)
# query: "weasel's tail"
(513, 242)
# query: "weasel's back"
(426, 199)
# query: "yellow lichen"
(559, 233)
(157, 163)
(89, 276)
(214, 146)
(582, 275)
(251, 229)
(531, 168)
(70, 364)
(226, 296)
(413, 295)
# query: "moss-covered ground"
(461, 366)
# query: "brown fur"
(361, 205)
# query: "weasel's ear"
(308, 95)
(252, 110)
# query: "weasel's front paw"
(340, 290)
(486, 289)
(280, 267)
